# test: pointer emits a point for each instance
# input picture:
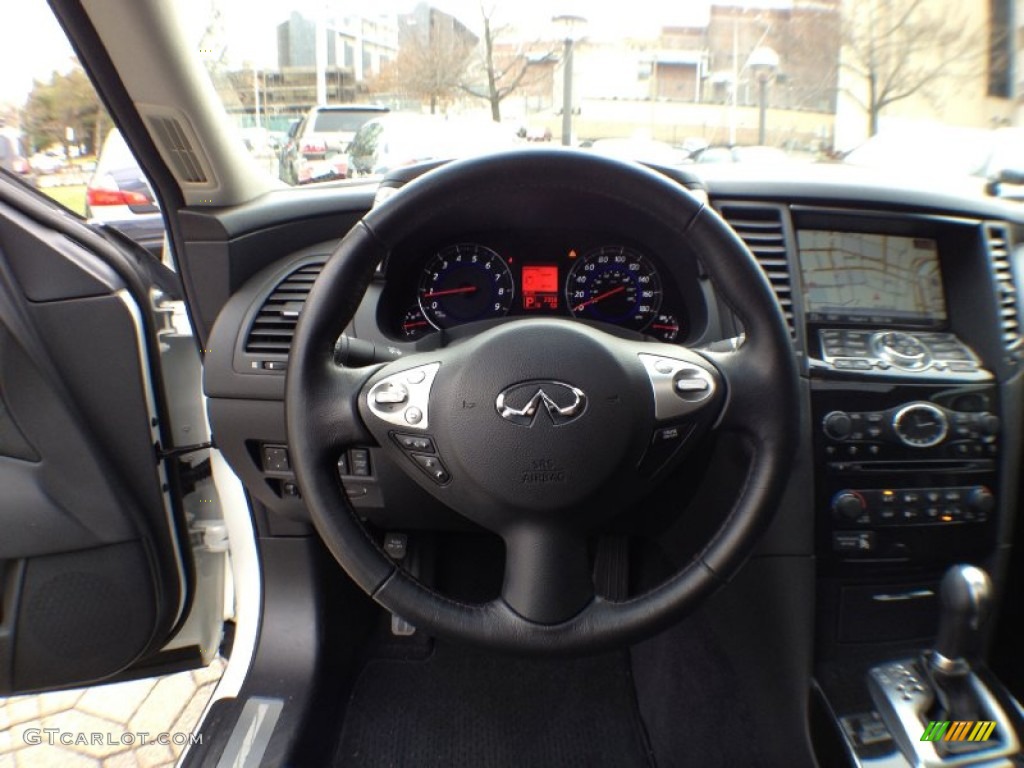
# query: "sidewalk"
(95, 726)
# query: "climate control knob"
(837, 425)
(981, 500)
(920, 425)
(848, 505)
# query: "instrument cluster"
(610, 282)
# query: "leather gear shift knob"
(965, 595)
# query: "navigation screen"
(858, 277)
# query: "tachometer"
(465, 282)
(614, 284)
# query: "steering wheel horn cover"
(541, 425)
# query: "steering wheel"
(540, 430)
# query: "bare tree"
(904, 48)
(431, 65)
(501, 72)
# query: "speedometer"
(614, 284)
(465, 282)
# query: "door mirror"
(1006, 177)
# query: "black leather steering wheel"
(540, 429)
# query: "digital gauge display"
(540, 286)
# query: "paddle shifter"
(935, 707)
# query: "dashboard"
(602, 278)
(904, 315)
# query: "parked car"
(399, 140)
(13, 158)
(317, 149)
(49, 161)
(982, 159)
(119, 196)
(641, 150)
(750, 155)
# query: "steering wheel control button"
(390, 394)
(359, 462)
(690, 384)
(679, 386)
(355, 463)
(420, 443)
(402, 398)
(433, 467)
(664, 444)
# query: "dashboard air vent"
(272, 330)
(763, 231)
(997, 240)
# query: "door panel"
(94, 577)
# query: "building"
(428, 26)
(360, 46)
(961, 58)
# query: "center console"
(905, 472)
(907, 437)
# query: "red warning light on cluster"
(540, 286)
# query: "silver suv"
(316, 150)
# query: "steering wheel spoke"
(750, 384)
(548, 578)
(333, 406)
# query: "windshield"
(747, 81)
(692, 83)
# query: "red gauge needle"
(599, 297)
(662, 327)
(416, 324)
(450, 291)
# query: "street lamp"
(571, 23)
(764, 64)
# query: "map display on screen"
(854, 276)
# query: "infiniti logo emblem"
(521, 403)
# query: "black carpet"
(464, 709)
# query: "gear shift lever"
(966, 598)
(939, 686)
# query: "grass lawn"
(72, 197)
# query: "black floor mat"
(464, 709)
